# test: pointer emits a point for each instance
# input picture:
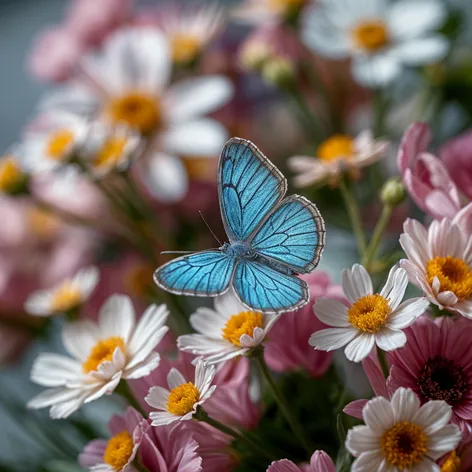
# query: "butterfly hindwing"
(249, 186)
(293, 234)
(206, 273)
(265, 289)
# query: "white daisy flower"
(381, 36)
(371, 318)
(54, 141)
(338, 154)
(440, 263)
(102, 354)
(131, 78)
(65, 297)
(228, 331)
(400, 434)
(181, 401)
(269, 11)
(190, 29)
(109, 148)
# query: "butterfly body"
(272, 238)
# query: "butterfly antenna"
(178, 252)
(207, 225)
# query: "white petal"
(405, 405)
(412, 18)
(389, 340)
(378, 415)
(228, 304)
(157, 398)
(395, 288)
(433, 416)
(356, 283)
(79, 338)
(420, 52)
(54, 370)
(203, 137)
(117, 317)
(175, 378)
(370, 462)
(331, 312)
(444, 440)
(407, 312)
(377, 71)
(166, 177)
(363, 439)
(194, 97)
(332, 338)
(161, 418)
(360, 347)
(208, 322)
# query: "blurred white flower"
(338, 154)
(102, 354)
(381, 36)
(129, 86)
(66, 296)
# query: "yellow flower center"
(404, 445)
(336, 147)
(58, 143)
(119, 450)
(103, 352)
(139, 280)
(453, 274)
(65, 298)
(371, 35)
(369, 313)
(242, 323)
(182, 399)
(452, 463)
(137, 110)
(42, 223)
(286, 7)
(11, 174)
(185, 48)
(111, 152)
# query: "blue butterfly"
(272, 238)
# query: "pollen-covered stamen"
(452, 463)
(404, 445)
(185, 48)
(182, 399)
(58, 144)
(369, 314)
(336, 147)
(11, 174)
(242, 323)
(442, 379)
(138, 110)
(66, 297)
(102, 352)
(453, 274)
(371, 35)
(119, 450)
(111, 152)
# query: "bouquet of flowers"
(326, 330)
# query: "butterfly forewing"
(249, 187)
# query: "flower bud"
(278, 71)
(393, 192)
(253, 55)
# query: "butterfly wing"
(265, 289)
(204, 274)
(249, 186)
(293, 235)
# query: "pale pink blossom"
(319, 462)
(425, 176)
(287, 346)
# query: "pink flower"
(457, 157)
(127, 433)
(170, 448)
(13, 343)
(55, 53)
(320, 462)
(425, 176)
(287, 346)
(436, 363)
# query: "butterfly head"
(238, 249)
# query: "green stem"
(124, 390)
(380, 113)
(350, 202)
(383, 362)
(203, 416)
(379, 230)
(281, 402)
